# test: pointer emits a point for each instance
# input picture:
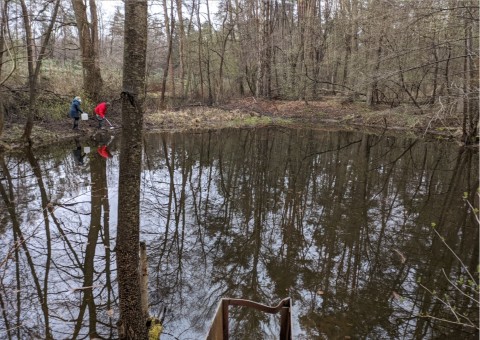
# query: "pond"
(372, 236)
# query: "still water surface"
(341, 222)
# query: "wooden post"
(225, 305)
(144, 278)
(285, 321)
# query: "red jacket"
(104, 152)
(101, 109)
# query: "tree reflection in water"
(339, 221)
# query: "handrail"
(219, 326)
(258, 306)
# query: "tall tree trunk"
(181, 48)
(88, 36)
(168, 64)
(470, 84)
(209, 58)
(225, 33)
(264, 52)
(132, 320)
(190, 65)
(200, 50)
(31, 71)
(372, 95)
(169, 30)
(345, 8)
(433, 97)
(3, 21)
(34, 64)
(474, 90)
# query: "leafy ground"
(331, 112)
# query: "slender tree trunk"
(303, 51)
(31, 74)
(474, 89)
(190, 64)
(169, 30)
(200, 50)
(264, 52)
(372, 96)
(132, 323)
(181, 48)
(465, 85)
(144, 277)
(3, 21)
(209, 60)
(209, 81)
(347, 43)
(34, 64)
(168, 63)
(470, 88)
(226, 32)
(433, 97)
(446, 74)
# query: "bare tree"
(34, 61)
(181, 47)
(133, 323)
(3, 25)
(168, 68)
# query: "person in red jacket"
(100, 111)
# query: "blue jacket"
(75, 109)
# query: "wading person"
(100, 111)
(75, 111)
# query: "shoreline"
(248, 113)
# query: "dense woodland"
(418, 53)
(152, 55)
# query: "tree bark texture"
(3, 21)
(144, 277)
(133, 320)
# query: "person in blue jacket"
(75, 111)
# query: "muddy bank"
(334, 113)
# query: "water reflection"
(341, 222)
(79, 153)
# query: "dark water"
(340, 222)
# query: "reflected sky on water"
(344, 223)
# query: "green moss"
(321, 114)
(251, 121)
(283, 121)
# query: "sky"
(108, 6)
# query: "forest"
(149, 56)
(423, 54)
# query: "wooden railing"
(219, 326)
